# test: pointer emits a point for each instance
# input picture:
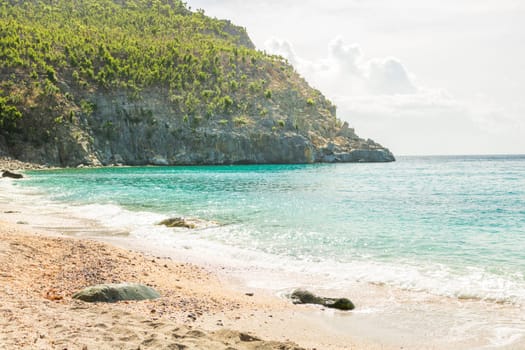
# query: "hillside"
(150, 82)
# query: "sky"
(421, 77)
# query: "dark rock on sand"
(300, 296)
(110, 293)
(339, 303)
(12, 175)
(177, 222)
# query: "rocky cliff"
(153, 83)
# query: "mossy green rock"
(11, 175)
(339, 303)
(110, 293)
(300, 296)
(177, 222)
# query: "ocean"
(452, 226)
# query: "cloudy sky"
(419, 76)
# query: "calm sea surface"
(452, 226)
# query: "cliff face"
(145, 132)
(160, 141)
(203, 97)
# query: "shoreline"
(415, 323)
(197, 300)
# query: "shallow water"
(450, 226)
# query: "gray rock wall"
(121, 130)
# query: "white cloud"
(348, 57)
(389, 76)
(383, 100)
(381, 75)
(282, 48)
(345, 69)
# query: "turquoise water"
(446, 225)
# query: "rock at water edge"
(177, 222)
(300, 296)
(12, 175)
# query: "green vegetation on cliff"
(58, 57)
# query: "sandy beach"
(39, 274)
